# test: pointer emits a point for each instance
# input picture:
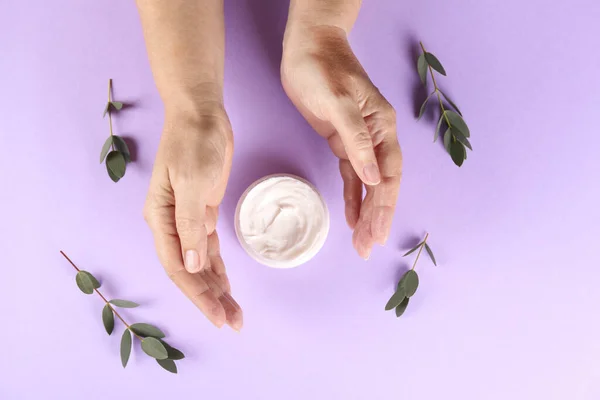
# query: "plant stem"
(103, 298)
(420, 249)
(436, 90)
(109, 113)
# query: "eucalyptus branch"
(109, 113)
(436, 90)
(408, 284)
(150, 336)
(457, 132)
(103, 298)
(119, 155)
(420, 249)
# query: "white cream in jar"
(282, 221)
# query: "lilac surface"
(511, 312)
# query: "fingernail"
(368, 255)
(192, 261)
(372, 174)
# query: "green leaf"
(435, 63)
(174, 354)
(154, 348)
(105, 148)
(423, 107)
(125, 347)
(84, 283)
(106, 109)
(115, 162)
(124, 303)
(117, 104)
(395, 299)
(121, 145)
(409, 282)
(447, 140)
(438, 127)
(169, 365)
(430, 254)
(461, 138)
(145, 330)
(112, 176)
(108, 319)
(95, 283)
(451, 102)
(458, 123)
(413, 249)
(402, 307)
(422, 68)
(457, 152)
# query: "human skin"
(326, 82)
(322, 77)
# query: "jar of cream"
(281, 221)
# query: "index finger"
(385, 195)
(194, 286)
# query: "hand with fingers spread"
(324, 79)
(185, 41)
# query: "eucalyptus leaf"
(125, 347)
(438, 127)
(410, 282)
(145, 330)
(112, 176)
(423, 107)
(458, 123)
(121, 145)
(117, 104)
(154, 348)
(457, 152)
(174, 354)
(84, 283)
(169, 365)
(105, 148)
(95, 283)
(124, 303)
(402, 307)
(447, 140)
(422, 68)
(435, 63)
(106, 109)
(413, 249)
(451, 103)
(108, 319)
(430, 254)
(396, 299)
(461, 138)
(115, 161)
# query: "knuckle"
(389, 111)
(188, 225)
(362, 141)
(147, 213)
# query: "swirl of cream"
(283, 220)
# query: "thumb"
(190, 220)
(346, 118)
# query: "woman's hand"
(325, 81)
(188, 182)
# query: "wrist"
(202, 99)
(305, 15)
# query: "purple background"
(511, 312)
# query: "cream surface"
(283, 220)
